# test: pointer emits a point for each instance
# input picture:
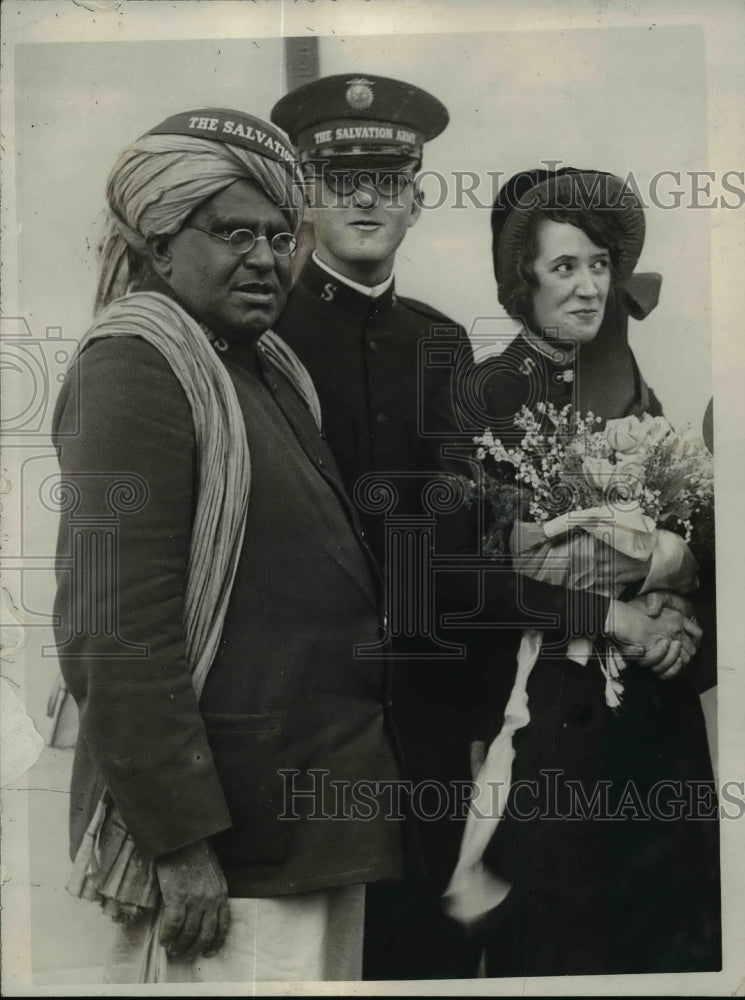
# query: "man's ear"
(416, 206)
(306, 242)
(159, 254)
(311, 186)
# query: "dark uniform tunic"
(523, 376)
(377, 397)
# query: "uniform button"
(320, 461)
(381, 420)
(374, 346)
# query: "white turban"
(157, 183)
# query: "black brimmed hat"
(569, 188)
(355, 120)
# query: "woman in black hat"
(547, 207)
(609, 872)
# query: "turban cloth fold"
(157, 183)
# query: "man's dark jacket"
(286, 691)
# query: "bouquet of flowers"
(586, 507)
(632, 463)
(592, 508)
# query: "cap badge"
(359, 93)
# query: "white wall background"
(618, 99)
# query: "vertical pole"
(301, 61)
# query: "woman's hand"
(664, 643)
(613, 568)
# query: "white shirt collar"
(373, 292)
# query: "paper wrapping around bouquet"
(623, 527)
(562, 551)
(673, 566)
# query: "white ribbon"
(473, 890)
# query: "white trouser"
(310, 936)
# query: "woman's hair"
(602, 227)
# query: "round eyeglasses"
(242, 241)
(386, 182)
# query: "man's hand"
(195, 897)
(665, 644)
(687, 637)
(658, 601)
(653, 603)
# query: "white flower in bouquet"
(636, 436)
(614, 481)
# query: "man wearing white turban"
(214, 588)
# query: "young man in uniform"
(360, 142)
